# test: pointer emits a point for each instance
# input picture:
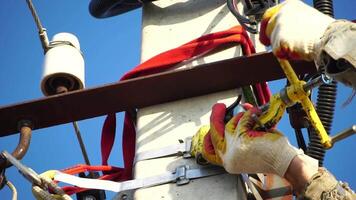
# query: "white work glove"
(239, 149)
(339, 42)
(293, 29)
(297, 31)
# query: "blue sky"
(111, 47)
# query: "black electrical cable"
(254, 9)
(242, 20)
(326, 99)
(249, 4)
(300, 139)
(230, 110)
(298, 119)
(262, 3)
(257, 8)
(235, 12)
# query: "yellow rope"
(41, 194)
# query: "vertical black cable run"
(326, 99)
(300, 139)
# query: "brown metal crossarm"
(145, 91)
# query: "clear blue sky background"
(111, 47)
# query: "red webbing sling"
(166, 60)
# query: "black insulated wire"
(242, 20)
(300, 139)
(253, 9)
(298, 120)
(230, 110)
(248, 4)
(256, 8)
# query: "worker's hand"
(338, 52)
(238, 148)
(293, 29)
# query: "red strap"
(89, 168)
(266, 91)
(107, 139)
(191, 49)
(129, 145)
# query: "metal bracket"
(181, 175)
(250, 187)
(181, 149)
(188, 146)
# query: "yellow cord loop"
(41, 194)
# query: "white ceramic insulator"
(63, 61)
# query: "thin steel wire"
(81, 143)
(35, 16)
(41, 31)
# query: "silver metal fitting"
(284, 97)
(181, 175)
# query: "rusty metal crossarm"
(145, 91)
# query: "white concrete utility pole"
(168, 24)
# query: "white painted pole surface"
(168, 24)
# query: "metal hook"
(25, 128)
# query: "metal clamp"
(181, 174)
(188, 146)
(181, 149)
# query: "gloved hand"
(298, 31)
(239, 149)
(293, 29)
(337, 52)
